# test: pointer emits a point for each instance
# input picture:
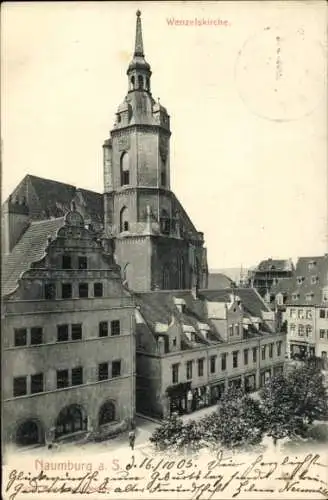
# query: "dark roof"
(94, 203)
(159, 306)
(48, 198)
(274, 265)
(301, 284)
(54, 197)
(30, 248)
(250, 298)
(217, 281)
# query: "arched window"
(163, 173)
(107, 413)
(125, 169)
(181, 270)
(132, 82)
(147, 83)
(197, 272)
(70, 420)
(29, 433)
(166, 278)
(124, 219)
(140, 81)
(165, 222)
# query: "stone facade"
(154, 239)
(67, 337)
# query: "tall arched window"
(107, 413)
(197, 272)
(166, 278)
(125, 169)
(181, 270)
(124, 219)
(147, 83)
(163, 173)
(165, 222)
(71, 419)
(132, 82)
(140, 82)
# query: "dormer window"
(295, 296)
(314, 280)
(309, 296)
(311, 264)
(300, 280)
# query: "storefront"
(179, 397)
(217, 392)
(201, 398)
(265, 376)
(278, 370)
(250, 382)
(235, 383)
(301, 350)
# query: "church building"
(155, 242)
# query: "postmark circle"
(280, 74)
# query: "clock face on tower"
(280, 74)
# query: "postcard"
(164, 250)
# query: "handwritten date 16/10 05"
(162, 464)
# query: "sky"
(248, 121)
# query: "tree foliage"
(291, 402)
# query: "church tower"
(154, 241)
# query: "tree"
(291, 402)
(237, 422)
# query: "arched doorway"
(107, 413)
(71, 419)
(29, 433)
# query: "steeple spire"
(139, 70)
(138, 49)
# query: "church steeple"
(138, 48)
(139, 70)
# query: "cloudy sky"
(249, 124)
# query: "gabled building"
(303, 302)
(68, 341)
(191, 346)
(270, 272)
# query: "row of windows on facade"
(67, 290)
(224, 356)
(65, 332)
(65, 378)
(309, 296)
(302, 329)
(306, 313)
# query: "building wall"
(148, 367)
(302, 316)
(53, 354)
(321, 332)
(136, 254)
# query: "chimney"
(15, 221)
